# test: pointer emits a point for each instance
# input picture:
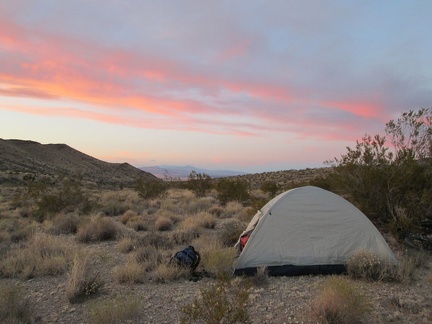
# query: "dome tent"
(308, 230)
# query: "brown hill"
(18, 157)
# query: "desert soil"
(281, 300)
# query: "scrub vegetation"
(90, 253)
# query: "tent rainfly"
(307, 230)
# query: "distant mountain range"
(182, 172)
(18, 157)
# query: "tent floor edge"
(292, 270)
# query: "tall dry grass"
(42, 254)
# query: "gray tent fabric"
(308, 230)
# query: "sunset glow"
(242, 85)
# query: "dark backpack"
(187, 257)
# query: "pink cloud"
(51, 67)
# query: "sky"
(249, 85)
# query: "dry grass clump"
(367, 266)
(98, 229)
(121, 309)
(138, 223)
(148, 254)
(215, 258)
(163, 223)
(126, 245)
(23, 234)
(183, 237)
(15, 307)
(82, 281)
(230, 232)
(65, 224)
(199, 221)
(156, 239)
(42, 254)
(164, 273)
(127, 215)
(339, 301)
(131, 272)
(223, 302)
(232, 208)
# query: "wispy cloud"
(315, 70)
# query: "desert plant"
(230, 232)
(223, 302)
(98, 229)
(127, 215)
(366, 265)
(164, 273)
(117, 309)
(130, 272)
(339, 301)
(82, 281)
(232, 190)
(15, 307)
(149, 189)
(163, 223)
(65, 224)
(217, 260)
(199, 183)
(42, 254)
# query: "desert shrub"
(69, 197)
(130, 272)
(98, 229)
(82, 282)
(182, 237)
(230, 233)
(65, 224)
(42, 254)
(15, 307)
(150, 188)
(339, 301)
(217, 260)
(221, 303)
(232, 190)
(199, 183)
(409, 262)
(382, 181)
(198, 221)
(127, 215)
(269, 186)
(121, 309)
(366, 265)
(232, 209)
(164, 273)
(148, 254)
(126, 245)
(163, 223)
(23, 234)
(216, 210)
(158, 240)
(138, 223)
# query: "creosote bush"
(223, 302)
(339, 301)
